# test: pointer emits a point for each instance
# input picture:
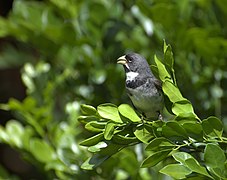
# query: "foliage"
(196, 146)
(67, 53)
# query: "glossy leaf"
(124, 140)
(109, 131)
(109, 111)
(87, 109)
(168, 56)
(194, 130)
(186, 117)
(128, 112)
(163, 73)
(174, 130)
(103, 155)
(212, 127)
(87, 119)
(155, 158)
(177, 171)
(182, 107)
(190, 162)
(160, 143)
(214, 156)
(95, 126)
(194, 166)
(97, 147)
(94, 161)
(144, 133)
(92, 140)
(172, 91)
(181, 157)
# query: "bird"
(143, 88)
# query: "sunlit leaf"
(163, 73)
(97, 147)
(177, 171)
(87, 109)
(95, 126)
(41, 150)
(109, 111)
(144, 133)
(128, 112)
(182, 107)
(172, 91)
(194, 166)
(109, 131)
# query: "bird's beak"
(122, 60)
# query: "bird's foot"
(160, 117)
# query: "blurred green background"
(58, 54)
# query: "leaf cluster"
(188, 141)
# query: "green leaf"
(144, 133)
(186, 117)
(15, 131)
(181, 157)
(128, 112)
(193, 165)
(87, 109)
(168, 56)
(172, 91)
(92, 140)
(174, 131)
(155, 158)
(97, 147)
(94, 161)
(215, 159)
(154, 70)
(109, 131)
(164, 46)
(212, 127)
(193, 130)
(109, 111)
(214, 156)
(95, 126)
(163, 73)
(104, 154)
(42, 151)
(183, 107)
(159, 143)
(190, 162)
(124, 140)
(87, 119)
(177, 171)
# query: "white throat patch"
(130, 76)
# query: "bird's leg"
(143, 118)
(160, 116)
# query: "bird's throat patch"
(130, 76)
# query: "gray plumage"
(143, 88)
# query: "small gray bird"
(143, 88)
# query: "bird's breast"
(146, 98)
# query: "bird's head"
(134, 62)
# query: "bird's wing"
(158, 84)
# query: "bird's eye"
(129, 59)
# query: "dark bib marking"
(135, 84)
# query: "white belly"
(150, 104)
